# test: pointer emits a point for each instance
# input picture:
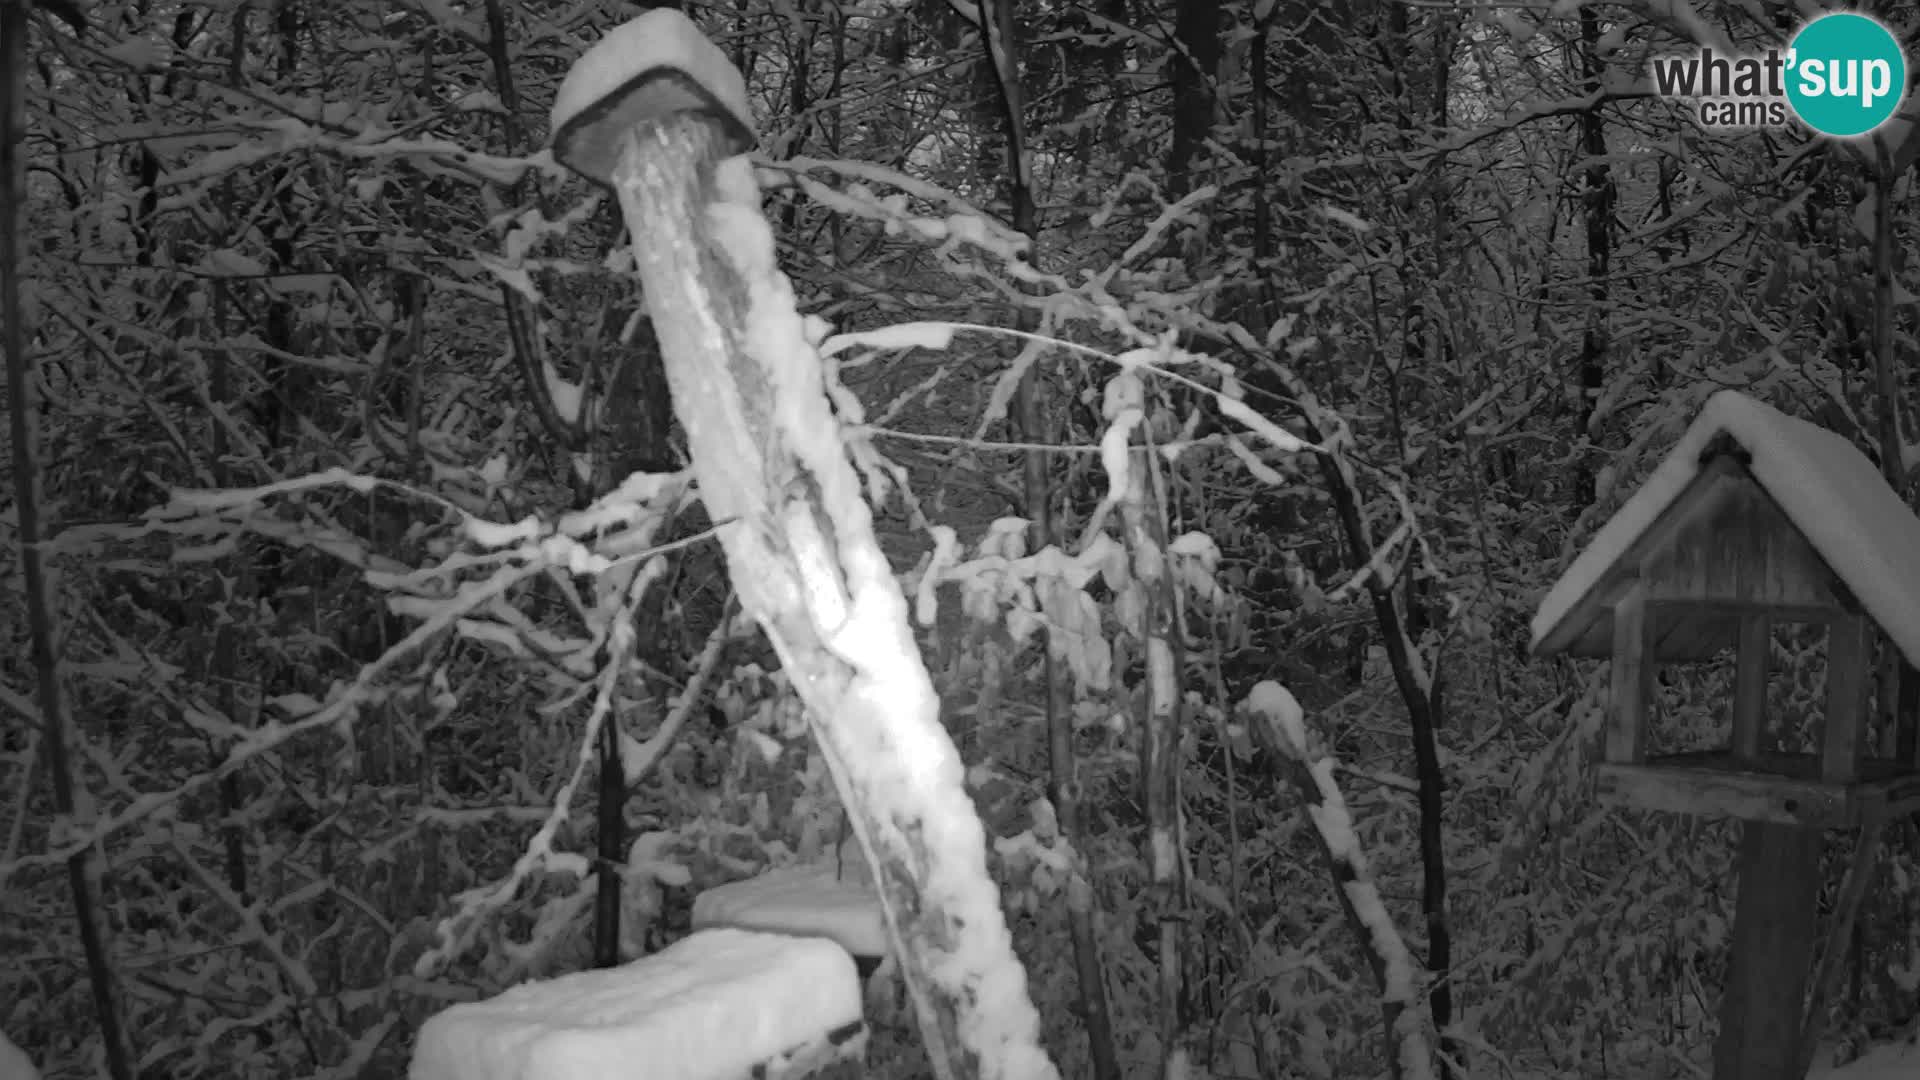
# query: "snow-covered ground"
(14, 1064)
(1894, 1061)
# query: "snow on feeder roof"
(1855, 530)
(1753, 518)
(717, 1005)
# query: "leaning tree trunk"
(749, 388)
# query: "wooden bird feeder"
(1756, 519)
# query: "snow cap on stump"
(652, 67)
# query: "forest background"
(279, 248)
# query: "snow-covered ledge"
(717, 1005)
(812, 900)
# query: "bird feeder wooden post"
(1756, 520)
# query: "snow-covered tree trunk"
(750, 391)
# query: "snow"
(711, 1007)
(1826, 486)
(612, 87)
(14, 1063)
(138, 53)
(811, 900)
(1896, 1061)
(1274, 700)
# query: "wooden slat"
(1751, 665)
(1842, 747)
(1781, 788)
(1633, 683)
(1906, 716)
(1715, 795)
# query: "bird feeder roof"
(1826, 490)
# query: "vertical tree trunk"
(1433, 848)
(225, 660)
(1196, 59)
(1597, 202)
(42, 617)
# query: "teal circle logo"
(1846, 74)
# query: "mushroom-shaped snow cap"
(651, 67)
